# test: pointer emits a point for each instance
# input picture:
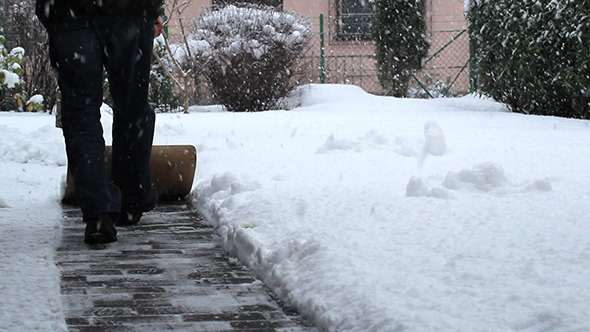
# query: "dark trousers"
(79, 50)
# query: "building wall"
(309, 8)
(445, 14)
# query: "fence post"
(322, 51)
(472, 65)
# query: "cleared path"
(167, 273)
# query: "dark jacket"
(48, 10)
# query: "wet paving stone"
(169, 273)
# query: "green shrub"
(10, 77)
(399, 31)
(534, 55)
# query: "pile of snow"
(435, 143)
(366, 213)
(31, 137)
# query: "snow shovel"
(172, 168)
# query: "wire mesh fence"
(447, 68)
(340, 59)
(349, 59)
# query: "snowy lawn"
(366, 213)
(31, 167)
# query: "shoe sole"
(130, 222)
(133, 219)
(95, 238)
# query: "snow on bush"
(10, 77)
(35, 103)
(10, 67)
(26, 31)
(248, 54)
(533, 54)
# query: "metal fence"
(335, 59)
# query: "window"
(274, 3)
(355, 19)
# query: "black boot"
(132, 215)
(100, 229)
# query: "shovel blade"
(172, 168)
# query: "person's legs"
(77, 61)
(128, 43)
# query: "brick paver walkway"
(167, 273)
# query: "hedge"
(534, 55)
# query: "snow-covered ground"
(366, 213)
(32, 160)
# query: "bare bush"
(175, 78)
